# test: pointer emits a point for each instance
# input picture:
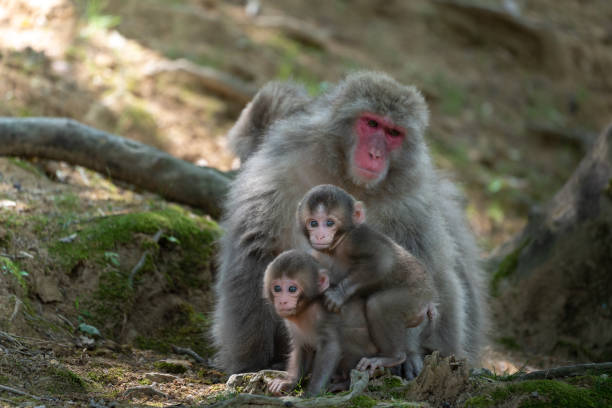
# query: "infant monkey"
(398, 291)
(323, 343)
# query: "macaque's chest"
(304, 327)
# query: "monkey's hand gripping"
(334, 298)
(280, 385)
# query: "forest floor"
(99, 280)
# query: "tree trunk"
(116, 157)
(553, 282)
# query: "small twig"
(25, 255)
(13, 338)
(8, 401)
(5, 255)
(568, 371)
(141, 262)
(65, 320)
(189, 352)
(9, 338)
(18, 303)
(216, 81)
(18, 392)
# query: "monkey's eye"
(292, 289)
(314, 224)
(277, 288)
(372, 123)
(330, 223)
(394, 133)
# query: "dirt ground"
(514, 103)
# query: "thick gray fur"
(275, 100)
(309, 143)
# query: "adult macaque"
(323, 343)
(399, 291)
(366, 136)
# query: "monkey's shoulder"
(364, 240)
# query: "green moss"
(594, 392)
(26, 165)
(63, 381)
(106, 234)
(12, 221)
(170, 367)
(111, 300)
(8, 267)
(100, 241)
(507, 267)
(362, 401)
(67, 202)
(106, 376)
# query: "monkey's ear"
(359, 213)
(323, 280)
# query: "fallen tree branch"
(568, 371)
(299, 30)
(189, 352)
(359, 382)
(18, 392)
(211, 79)
(116, 157)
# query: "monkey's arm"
(275, 101)
(295, 368)
(371, 260)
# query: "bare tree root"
(116, 157)
(359, 382)
(568, 371)
(18, 392)
(189, 352)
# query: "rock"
(47, 289)
(173, 366)
(252, 383)
(143, 391)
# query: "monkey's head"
(381, 126)
(326, 213)
(292, 281)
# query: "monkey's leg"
(326, 360)
(389, 313)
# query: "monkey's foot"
(372, 364)
(412, 366)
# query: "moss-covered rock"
(153, 264)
